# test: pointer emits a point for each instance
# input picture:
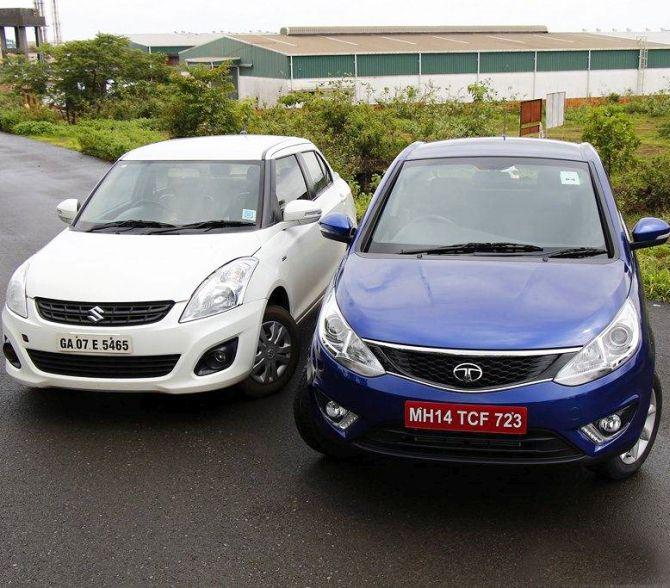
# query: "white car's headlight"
(342, 343)
(220, 291)
(16, 292)
(615, 345)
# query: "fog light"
(337, 415)
(216, 359)
(610, 425)
(335, 411)
(10, 355)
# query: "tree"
(612, 134)
(87, 74)
(201, 102)
(25, 76)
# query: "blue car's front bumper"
(554, 410)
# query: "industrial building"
(170, 44)
(519, 62)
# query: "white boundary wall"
(511, 86)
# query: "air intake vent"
(103, 366)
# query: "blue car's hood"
(480, 304)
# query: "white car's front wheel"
(276, 356)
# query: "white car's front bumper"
(166, 337)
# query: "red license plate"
(473, 418)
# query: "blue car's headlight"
(614, 346)
(342, 343)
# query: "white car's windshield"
(149, 196)
(495, 204)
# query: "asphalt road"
(141, 489)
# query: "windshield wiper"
(577, 252)
(130, 224)
(474, 248)
(207, 225)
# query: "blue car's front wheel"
(628, 463)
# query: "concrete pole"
(21, 40)
(3, 42)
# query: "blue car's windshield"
(546, 205)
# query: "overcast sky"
(84, 18)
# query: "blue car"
(489, 309)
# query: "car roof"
(216, 148)
(503, 146)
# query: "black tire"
(252, 387)
(615, 468)
(311, 434)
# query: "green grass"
(68, 142)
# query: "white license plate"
(107, 344)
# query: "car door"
(330, 197)
(300, 272)
(307, 260)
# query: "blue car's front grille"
(466, 372)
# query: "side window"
(290, 183)
(325, 168)
(318, 177)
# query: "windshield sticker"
(512, 171)
(248, 215)
(570, 178)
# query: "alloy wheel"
(637, 451)
(273, 354)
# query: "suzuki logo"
(96, 314)
(468, 372)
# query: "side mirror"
(302, 212)
(67, 210)
(338, 227)
(649, 232)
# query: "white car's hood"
(104, 267)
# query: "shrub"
(201, 103)
(664, 130)
(362, 139)
(654, 267)
(111, 143)
(612, 133)
(657, 104)
(645, 187)
(12, 115)
(36, 127)
(10, 118)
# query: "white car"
(185, 270)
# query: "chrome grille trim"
(480, 352)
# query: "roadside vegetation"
(103, 98)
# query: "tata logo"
(96, 314)
(468, 372)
